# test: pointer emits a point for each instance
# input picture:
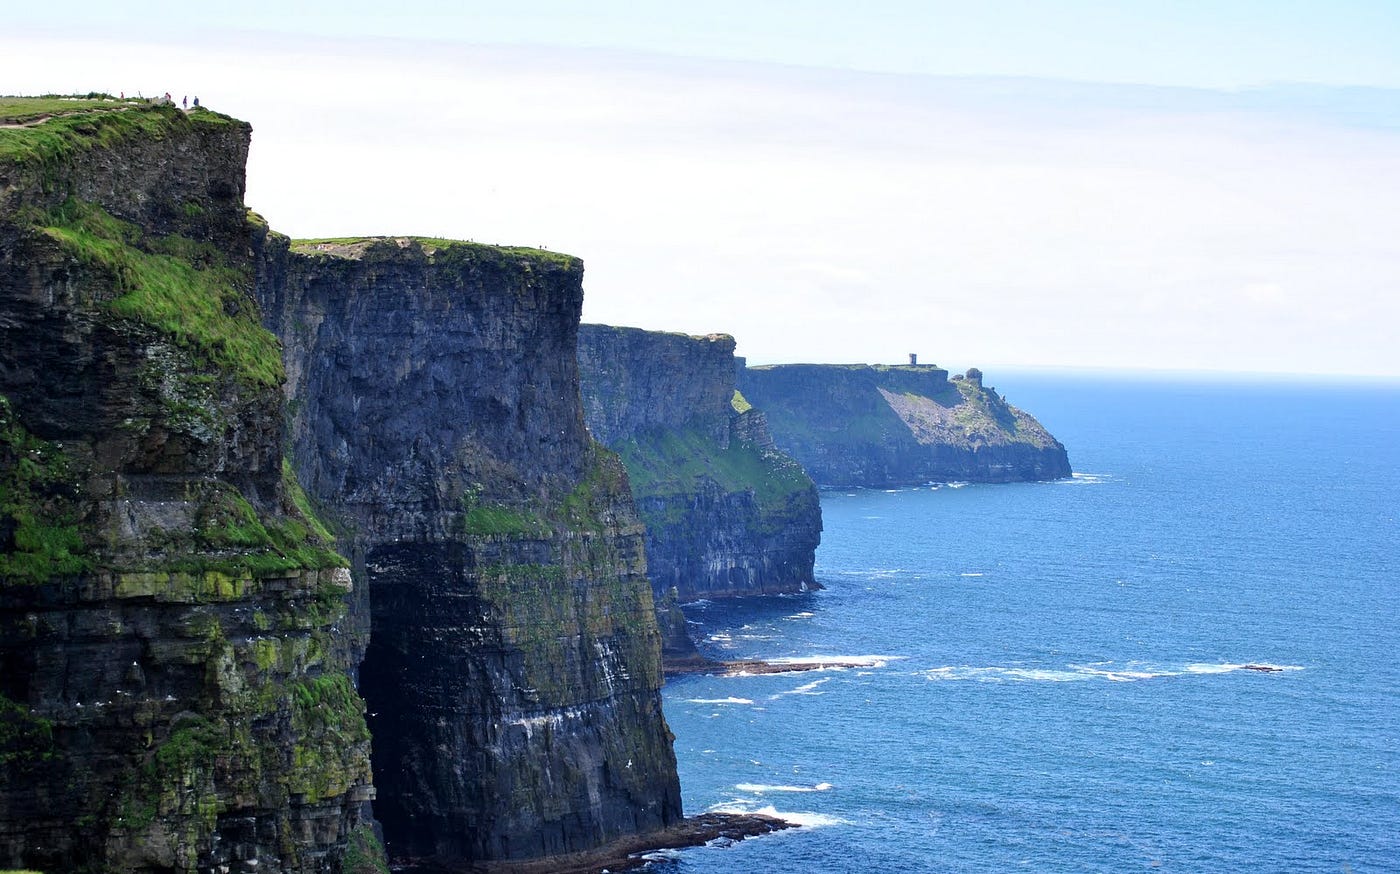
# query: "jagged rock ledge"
(626, 853)
(698, 664)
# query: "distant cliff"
(174, 689)
(881, 426)
(725, 512)
(513, 672)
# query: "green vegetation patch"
(442, 251)
(670, 462)
(183, 288)
(245, 542)
(39, 536)
(302, 504)
(329, 718)
(25, 739)
(364, 854)
(55, 128)
(486, 519)
(739, 402)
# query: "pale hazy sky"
(1170, 185)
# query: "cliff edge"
(726, 513)
(882, 426)
(513, 671)
(174, 692)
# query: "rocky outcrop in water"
(174, 688)
(513, 670)
(883, 426)
(726, 513)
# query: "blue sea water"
(1055, 678)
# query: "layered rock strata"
(513, 672)
(174, 694)
(883, 426)
(726, 513)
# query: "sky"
(1123, 185)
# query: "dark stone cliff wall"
(882, 426)
(513, 672)
(726, 514)
(173, 688)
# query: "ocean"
(1062, 676)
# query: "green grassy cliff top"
(41, 130)
(372, 248)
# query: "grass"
(184, 288)
(739, 402)
(670, 462)
(24, 738)
(440, 248)
(93, 123)
(37, 505)
(302, 504)
(364, 855)
(496, 520)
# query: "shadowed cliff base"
(623, 854)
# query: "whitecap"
(761, 788)
(1084, 479)
(806, 688)
(977, 574)
(1226, 668)
(667, 855)
(862, 661)
(730, 700)
(804, 819)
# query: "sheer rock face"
(726, 514)
(513, 673)
(173, 686)
(883, 426)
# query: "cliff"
(174, 693)
(513, 671)
(882, 426)
(726, 513)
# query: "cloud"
(829, 215)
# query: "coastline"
(624, 854)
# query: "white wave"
(730, 700)
(761, 788)
(957, 485)
(1084, 479)
(1227, 668)
(661, 856)
(805, 689)
(977, 574)
(1129, 673)
(804, 819)
(803, 615)
(862, 661)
